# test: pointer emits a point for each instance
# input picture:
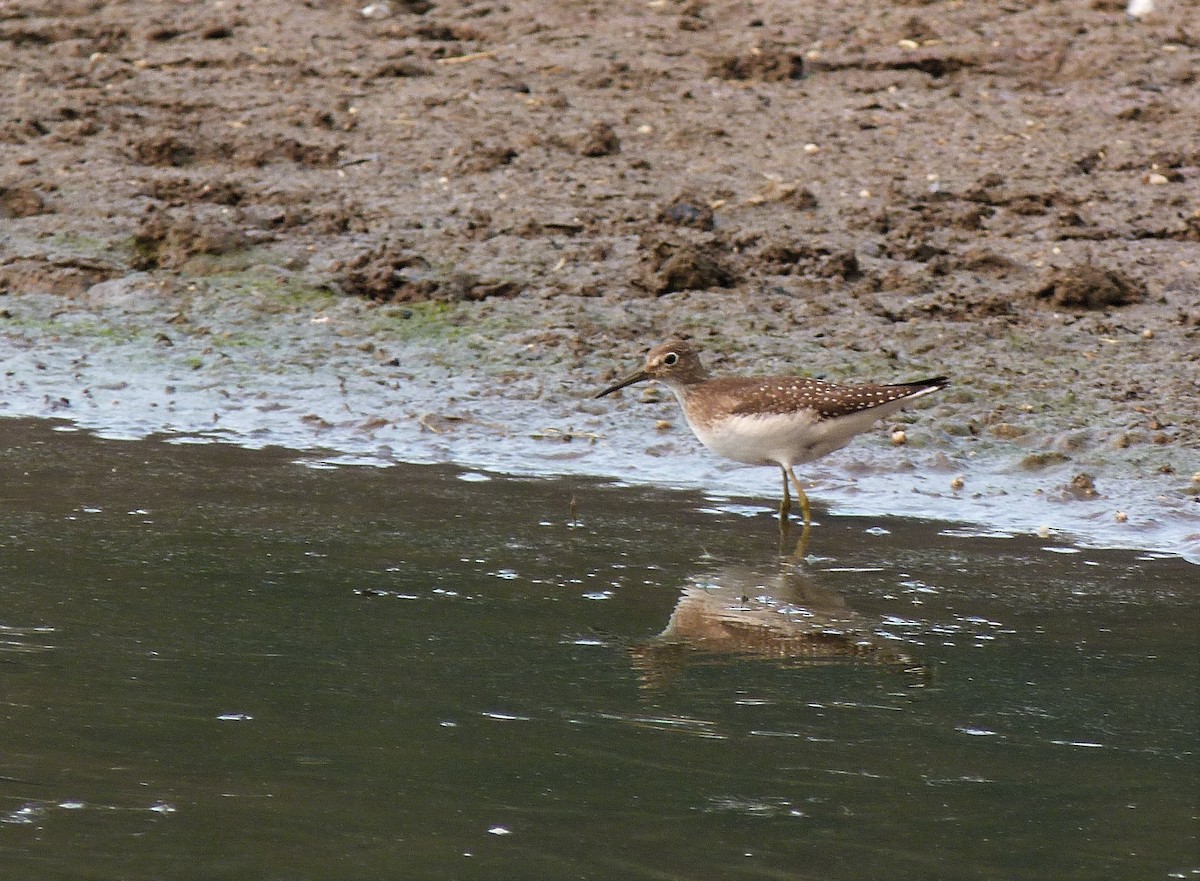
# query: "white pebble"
(1157, 179)
(899, 438)
(957, 483)
(811, 148)
(376, 11)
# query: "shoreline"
(328, 377)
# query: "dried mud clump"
(1089, 287)
(481, 157)
(164, 151)
(21, 201)
(180, 191)
(671, 267)
(167, 240)
(400, 68)
(376, 275)
(691, 17)
(599, 140)
(1083, 486)
(68, 276)
(768, 65)
(389, 274)
(986, 262)
(306, 154)
(784, 258)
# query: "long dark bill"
(636, 376)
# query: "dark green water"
(217, 663)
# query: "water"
(220, 663)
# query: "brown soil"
(774, 177)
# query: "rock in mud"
(1089, 287)
(687, 209)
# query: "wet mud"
(268, 206)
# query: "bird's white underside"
(789, 439)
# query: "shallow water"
(221, 663)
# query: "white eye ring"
(670, 359)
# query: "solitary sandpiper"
(771, 420)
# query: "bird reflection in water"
(783, 615)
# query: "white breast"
(788, 439)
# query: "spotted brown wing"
(779, 395)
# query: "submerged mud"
(428, 233)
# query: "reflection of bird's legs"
(801, 545)
(788, 472)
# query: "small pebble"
(1139, 8)
(957, 483)
(864, 194)
(1196, 477)
(662, 425)
(1121, 517)
(899, 438)
(1043, 532)
(811, 148)
(650, 395)
(908, 44)
(1156, 179)
(1147, 334)
(376, 11)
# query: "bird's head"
(675, 362)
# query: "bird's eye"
(670, 359)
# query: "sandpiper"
(771, 420)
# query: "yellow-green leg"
(788, 472)
(785, 504)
